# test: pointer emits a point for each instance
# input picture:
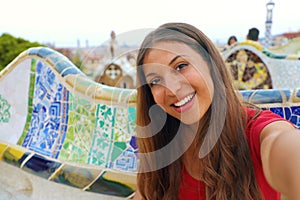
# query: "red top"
(191, 188)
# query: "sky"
(67, 23)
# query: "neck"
(192, 163)
(191, 160)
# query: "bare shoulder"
(280, 142)
(275, 128)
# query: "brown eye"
(181, 66)
(154, 82)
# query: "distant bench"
(59, 125)
(254, 67)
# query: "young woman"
(196, 138)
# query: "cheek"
(205, 84)
(157, 95)
(210, 88)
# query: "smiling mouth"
(184, 100)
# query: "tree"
(11, 47)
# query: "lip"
(186, 106)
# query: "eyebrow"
(150, 74)
(175, 58)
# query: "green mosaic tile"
(118, 148)
(102, 145)
(80, 130)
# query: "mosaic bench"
(290, 47)
(64, 135)
(254, 67)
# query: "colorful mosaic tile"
(113, 131)
(257, 68)
(277, 101)
(248, 71)
(102, 146)
(81, 125)
(126, 161)
(290, 113)
(49, 118)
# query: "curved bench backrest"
(254, 68)
(52, 108)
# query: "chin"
(190, 120)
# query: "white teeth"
(184, 101)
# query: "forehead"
(168, 49)
(164, 55)
(170, 46)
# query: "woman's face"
(232, 41)
(179, 79)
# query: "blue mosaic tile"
(33, 51)
(49, 117)
(294, 120)
(296, 115)
(45, 52)
(246, 94)
(287, 112)
(296, 110)
(287, 93)
(133, 142)
(41, 166)
(127, 161)
(54, 58)
(278, 111)
(267, 96)
(62, 65)
(73, 70)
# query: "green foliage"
(11, 47)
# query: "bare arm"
(280, 152)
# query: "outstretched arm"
(280, 152)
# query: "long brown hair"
(227, 169)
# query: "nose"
(173, 82)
